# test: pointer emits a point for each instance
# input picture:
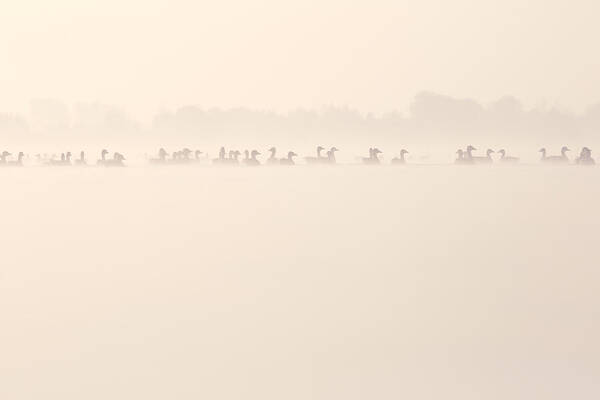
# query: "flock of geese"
(323, 156)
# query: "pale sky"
(147, 55)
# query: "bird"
(289, 160)
(318, 159)
(562, 159)
(478, 159)
(252, 161)
(272, 160)
(507, 159)
(3, 156)
(585, 157)
(81, 160)
(162, 157)
(462, 158)
(373, 159)
(18, 162)
(331, 156)
(102, 159)
(401, 159)
(117, 161)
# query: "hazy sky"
(145, 55)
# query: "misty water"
(420, 282)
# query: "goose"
(585, 157)
(400, 160)
(102, 159)
(185, 154)
(117, 161)
(162, 157)
(272, 160)
(331, 156)
(252, 161)
(462, 158)
(197, 155)
(478, 159)
(81, 160)
(556, 159)
(289, 160)
(373, 158)
(18, 162)
(65, 159)
(233, 157)
(221, 160)
(318, 159)
(507, 159)
(3, 156)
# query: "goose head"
(5, 154)
(254, 154)
(103, 153)
(489, 152)
(272, 150)
(502, 152)
(470, 148)
(542, 150)
(162, 153)
(197, 154)
(460, 153)
(376, 151)
(334, 149)
(564, 149)
(292, 154)
(402, 152)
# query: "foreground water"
(303, 283)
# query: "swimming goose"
(478, 159)
(272, 160)
(318, 159)
(556, 159)
(65, 159)
(331, 156)
(289, 160)
(507, 159)
(462, 158)
(117, 161)
(400, 160)
(373, 158)
(102, 159)
(252, 161)
(18, 162)
(585, 157)
(3, 156)
(162, 157)
(81, 160)
(197, 155)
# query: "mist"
(143, 271)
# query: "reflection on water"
(298, 283)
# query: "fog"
(186, 280)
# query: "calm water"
(303, 283)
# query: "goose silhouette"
(117, 161)
(507, 159)
(102, 159)
(272, 160)
(331, 156)
(462, 158)
(585, 157)
(478, 159)
(318, 159)
(18, 162)
(162, 157)
(289, 160)
(373, 158)
(65, 160)
(3, 156)
(81, 160)
(401, 160)
(252, 161)
(562, 159)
